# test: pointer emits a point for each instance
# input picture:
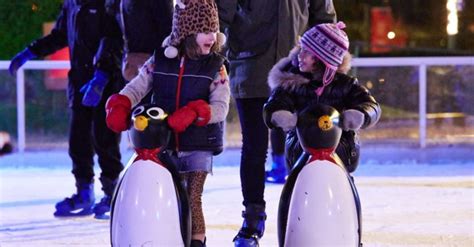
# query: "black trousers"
(254, 149)
(89, 135)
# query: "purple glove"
(94, 88)
(20, 59)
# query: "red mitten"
(202, 110)
(118, 108)
(181, 119)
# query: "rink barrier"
(420, 62)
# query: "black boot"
(252, 228)
(198, 243)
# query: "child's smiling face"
(205, 41)
(306, 61)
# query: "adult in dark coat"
(144, 24)
(260, 32)
(95, 49)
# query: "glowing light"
(369, 85)
(452, 26)
(391, 35)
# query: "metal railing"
(20, 92)
(420, 62)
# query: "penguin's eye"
(156, 113)
(138, 111)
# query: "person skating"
(95, 49)
(259, 34)
(309, 75)
(189, 81)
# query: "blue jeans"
(194, 161)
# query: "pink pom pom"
(341, 25)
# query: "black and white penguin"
(150, 205)
(319, 205)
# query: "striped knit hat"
(329, 44)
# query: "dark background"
(422, 21)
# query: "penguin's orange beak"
(140, 123)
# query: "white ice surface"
(402, 204)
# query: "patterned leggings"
(195, 184)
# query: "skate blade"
(246, 242)
(76, 213)
(102, 216)
(275, 180)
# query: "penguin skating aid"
(150, 205)
(319, 204)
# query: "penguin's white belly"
(146, 209)
(322, 210)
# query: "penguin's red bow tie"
(148, 154)
(321, 154)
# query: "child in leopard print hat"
(192, 86)
(191, 17)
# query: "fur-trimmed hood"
(279, 75)
(286, 74)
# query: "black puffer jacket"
(94, 42)
(293, 91)
(144, 23)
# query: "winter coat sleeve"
(139, 86)
(280, 99)
(219, 97)
(321, 11)
(163, 18)
(227, 10)
(54, 41)
(360, 99)
(109, 55)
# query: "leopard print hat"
(192, 17)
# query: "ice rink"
(424, 200)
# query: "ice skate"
(102, 208)
(253, 227)
(278, 172)
(79, 204)
(277, 176)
